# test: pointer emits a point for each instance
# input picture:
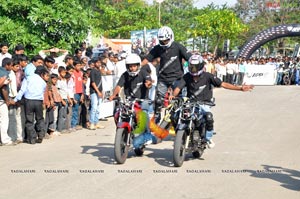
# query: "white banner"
(107, 107)
(260, 75)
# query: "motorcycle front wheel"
(121, 147)
(179, 148)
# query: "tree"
(260, 15)
(39, 24)
(218, 24)
(117, 18)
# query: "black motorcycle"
(190, 130)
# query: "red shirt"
(78, 76)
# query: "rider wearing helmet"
(135, 81)
(170, 70)
(199, 85)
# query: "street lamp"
(159, 2)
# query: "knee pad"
(209, 121)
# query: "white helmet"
(133, 59)
(196, 64)
(165, 33)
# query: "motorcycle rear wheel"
(121, 147)
(179, 148)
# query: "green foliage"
(41, 24)
(259, 17)
(218, 24)
(116, 20)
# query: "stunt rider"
(199, 85)
(136, 83)
(170, 69)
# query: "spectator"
(36, 61)
(33, 89)
(78, 95)
(15, 128)
(4, 52)
(54, 52)
(62, 87)
(96, 96)
(4, 102)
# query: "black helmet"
(196, 64)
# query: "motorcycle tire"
(286, 80)
(121, 147)
(139, 151)
(179, 148)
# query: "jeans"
(146, 136)
(279, 78)
(161, 90)
(151, 97)
(95, 108)
(62, 117)
(75, 111)
(143, 138)
(209, 134)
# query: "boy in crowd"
(62, 87)
(78, 95)
(15, 128)
(4, 52)
(70, 84)
(95, 95)
(58, 103)
(85, 107)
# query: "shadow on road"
(104, 152)
(163, 157)
(289, 178)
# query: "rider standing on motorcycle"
(170, 69)
(199, 85)
(136, 83)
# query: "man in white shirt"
(4, 52)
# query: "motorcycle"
(127, 122)
(190, 130)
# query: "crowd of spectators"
(50, 93)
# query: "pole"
(159, 14)
(159, 2)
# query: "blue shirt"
(32, 88)
(29, 70)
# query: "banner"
(260, 75)
(143, 40)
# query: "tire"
(139, 151)
(286, 80)
(179, 148)
(121, 148)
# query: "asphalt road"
(256, 156)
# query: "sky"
(204, 3)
